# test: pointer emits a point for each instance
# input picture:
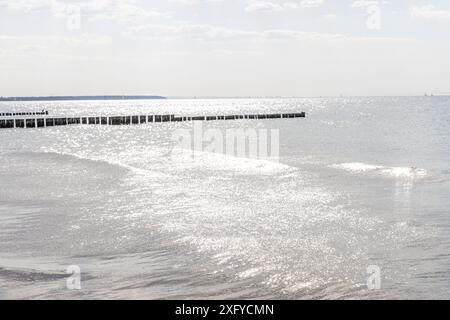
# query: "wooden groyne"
(132, 120)
(42, 113)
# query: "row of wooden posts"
(42, 113)
(128, 120)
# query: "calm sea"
(361, 184)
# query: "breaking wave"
(393, 172)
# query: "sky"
(226, 48)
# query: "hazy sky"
(224, 47)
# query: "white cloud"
(311, 3)
(184, 2)
(120, 10)
(193, 2)
(257, 5)
(429, 12)
(26, 5)
(117, 10)
(211, 33)
(190, 31)
(269, 5)
(264, 5)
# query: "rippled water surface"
(360, 182)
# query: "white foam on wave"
(112, 160)
(395, 172)
(186, 159)
(356, 167)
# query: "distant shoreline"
(74, 98)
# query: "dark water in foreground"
(360, 182)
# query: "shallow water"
(360, 182)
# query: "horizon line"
(160, 97)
